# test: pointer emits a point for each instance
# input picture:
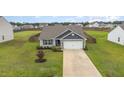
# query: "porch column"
(61, 42)
(41, 42)
(54, 42)
(84, 43)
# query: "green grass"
(108, 57)
(17, 58)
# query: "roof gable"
(122, 26)
(116, 29)
(73, 36)
(4, 22)
(64, 34)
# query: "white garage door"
(73, 44)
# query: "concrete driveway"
(77, 64)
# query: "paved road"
(77, 64)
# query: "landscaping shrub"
(56, 49)
(40, 47)
(40, 56)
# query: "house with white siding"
(117, 35)
(16, 28)
(80, 25)
(27, 26)
(110, 26)
(6, 30)
(93, 25)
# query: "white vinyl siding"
(6, 30)
(117, 35)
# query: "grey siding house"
(67, 37)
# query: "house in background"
(16, 28)
(110, 26)
(36, 27)
(102, 25)
(28, 26)
(117, 35)
(42, 25)
(80, 25)
(6, 30)
(67, 37)
(93, 25)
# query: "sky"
(34, 19)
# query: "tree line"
(64, 23)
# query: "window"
(47, 42)
(118, 39)
(3, 37)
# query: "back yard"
(17, 58)
(107, 56)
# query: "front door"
(58, 43)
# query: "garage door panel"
(73, 44)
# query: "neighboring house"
(102, 25)
(110, 26)
(67, 37)
(36, 27)
(70, 24)
(42, 25)
(117, 35)
(106, 25)
(27, 27)
(16, 28)
(93, 25)
(6, 30)
(80, 25)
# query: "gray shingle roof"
(50, 32)
(122, 26)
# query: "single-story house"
(80, 25)
(67, 37)
(6, 30)
(93, 25)
(35, 26)
(28, 26)
(42, 25)
(117, 35)
(102, 25)
(16, 28)
(110, 26)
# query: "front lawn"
(17, 58)
(108, 57)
